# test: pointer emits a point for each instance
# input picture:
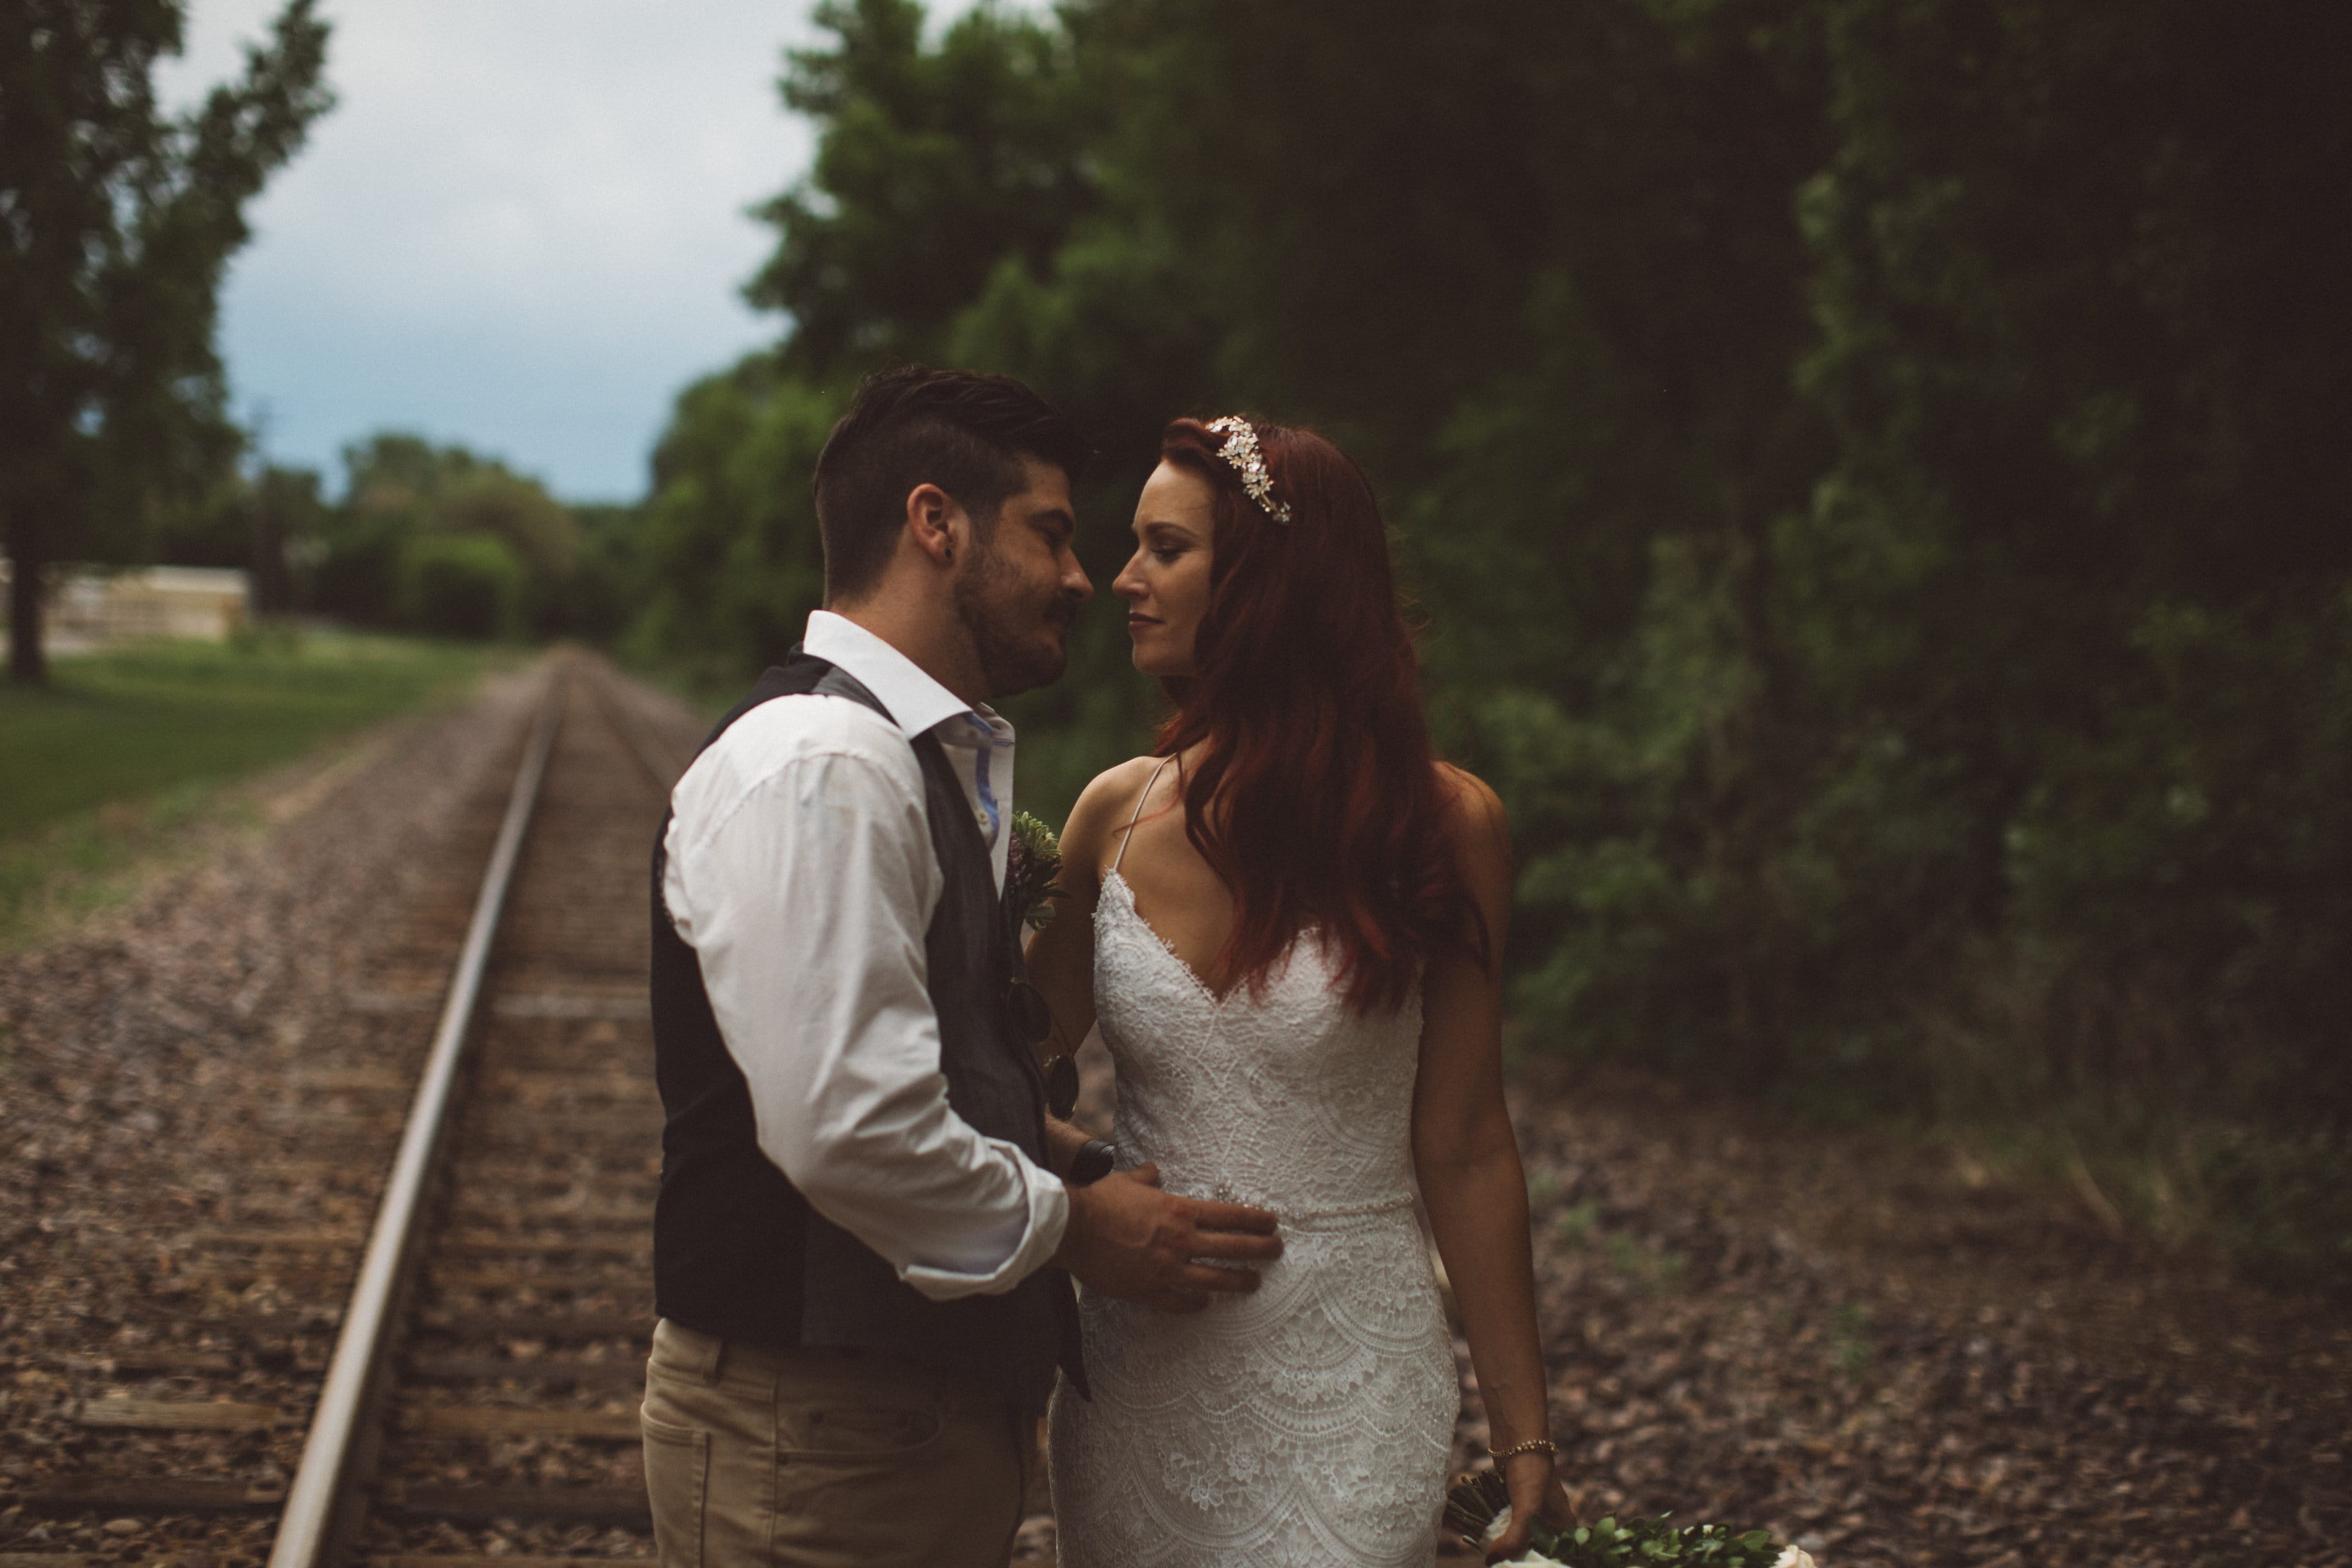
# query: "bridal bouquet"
(1479, 1509)
(1031, 861)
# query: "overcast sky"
(521, 228)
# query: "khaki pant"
(820, 1459)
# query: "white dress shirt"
(801, 873)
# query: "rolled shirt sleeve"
(801, 872)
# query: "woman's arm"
(1061, 957)
(1468, 1161)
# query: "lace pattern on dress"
(1308, 1423)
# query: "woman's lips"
(1135, 621)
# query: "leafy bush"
(461, 585)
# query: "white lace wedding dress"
(1308, 1424)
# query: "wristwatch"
(1091, 1163)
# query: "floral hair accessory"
(1241, 450)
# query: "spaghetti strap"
(1138, 812)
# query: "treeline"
(423, 538)
(1872, 470)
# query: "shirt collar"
(916, 703)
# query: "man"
(860, 1249)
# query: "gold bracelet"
(1532, 1446)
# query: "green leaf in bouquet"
(1631, 1542)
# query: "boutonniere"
(1478, 1510)
(1031, 861)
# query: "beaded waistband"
(1289, 1216)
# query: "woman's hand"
(1536, 1492)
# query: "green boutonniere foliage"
(1032, 862)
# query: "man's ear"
(937, 524)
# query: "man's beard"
(1006, 625)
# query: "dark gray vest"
(737, 1251)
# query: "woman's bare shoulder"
(1116, 787)
(1107, 800)
(1471, 803)
(1478, 824)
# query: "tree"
(417, 518)
(116, 222)
(933, 165)
(2082, 570)
(1871, 468)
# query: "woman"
(1288, 922)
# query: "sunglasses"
(1032, 1022)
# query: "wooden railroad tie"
(621, 1007)
(552, 1327)
(627, 1374)
(627, 1282)
(624, 1506)
(513, 1562)
(506, 1421)
(145, 1495)
(630, 1243)
(165, 1360)
(178, 1415)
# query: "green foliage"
(2284, 1203)
(1867, 466)
(1475, 1503)
(1033, 860)
(119, 221)
(442, 541)
(935, 165)
(271, 525)
(730, 536)
(460, 586)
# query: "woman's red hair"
(1312, 789)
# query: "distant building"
(90, 604)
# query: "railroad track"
(441, 1283)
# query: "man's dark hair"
(961, 430)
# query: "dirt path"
(1894, 1361)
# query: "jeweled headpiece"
(1241, 450)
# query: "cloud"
(522, 227)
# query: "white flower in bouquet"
(1530, 1558)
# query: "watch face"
(1062, 1086)
(1093, 1163)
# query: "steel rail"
(306, 1532)
(662, 771)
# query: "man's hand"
(1127, 1239)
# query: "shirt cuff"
(1041, 1238)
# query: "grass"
(2236, 1171)
(127, 748)
(2277, 1200)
